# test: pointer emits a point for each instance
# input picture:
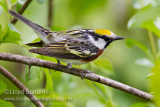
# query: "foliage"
(3, 103)
(9, 34)
(146, 19)
(155, 82)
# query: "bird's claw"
(69, 65)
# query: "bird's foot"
(82, 72)
(82, 77)
(69, 66)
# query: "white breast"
(100, 43)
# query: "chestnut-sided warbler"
(73, 46)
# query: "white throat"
(100, 43)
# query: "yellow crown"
(103, 32)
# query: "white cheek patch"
(100, 43)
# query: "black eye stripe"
(104, 37)
(96, 36)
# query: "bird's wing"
(68, 50)
(71, 34)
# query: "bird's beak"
(118, 38)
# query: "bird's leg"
(81, 76)
(69, 65)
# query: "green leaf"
(3, 6)
(130, 43)
(149, 75)
(61, 105)
(146, 14)
(157, 22)
(49, 80)
(3, 33)
(12, 28)
(34, 73)
(99, 65)
(155, 86)
(5, 104)
(149, 25)
(1, 36)
(51, 59)
(96, 91)
(137, 4)
(13, 1)
(1, 10)
(95, 103)
(103, 65)
(158, 44)
(37, 39)
(19, 5)
(140, 104)
(10, 34)
(107, 93)
(3, 86)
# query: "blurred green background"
(130, 66)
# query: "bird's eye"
(105, 37)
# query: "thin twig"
(23, 8)
(50, 13)
(76, 72)
(19, 85)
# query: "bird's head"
(107, 35)
(104, 37)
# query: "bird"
(71, 46)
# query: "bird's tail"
(34, 26)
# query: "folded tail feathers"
(34, 26)
(36, 44)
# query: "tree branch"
(19, 85)
(76, 72)
(50, 13)
(23, 8)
